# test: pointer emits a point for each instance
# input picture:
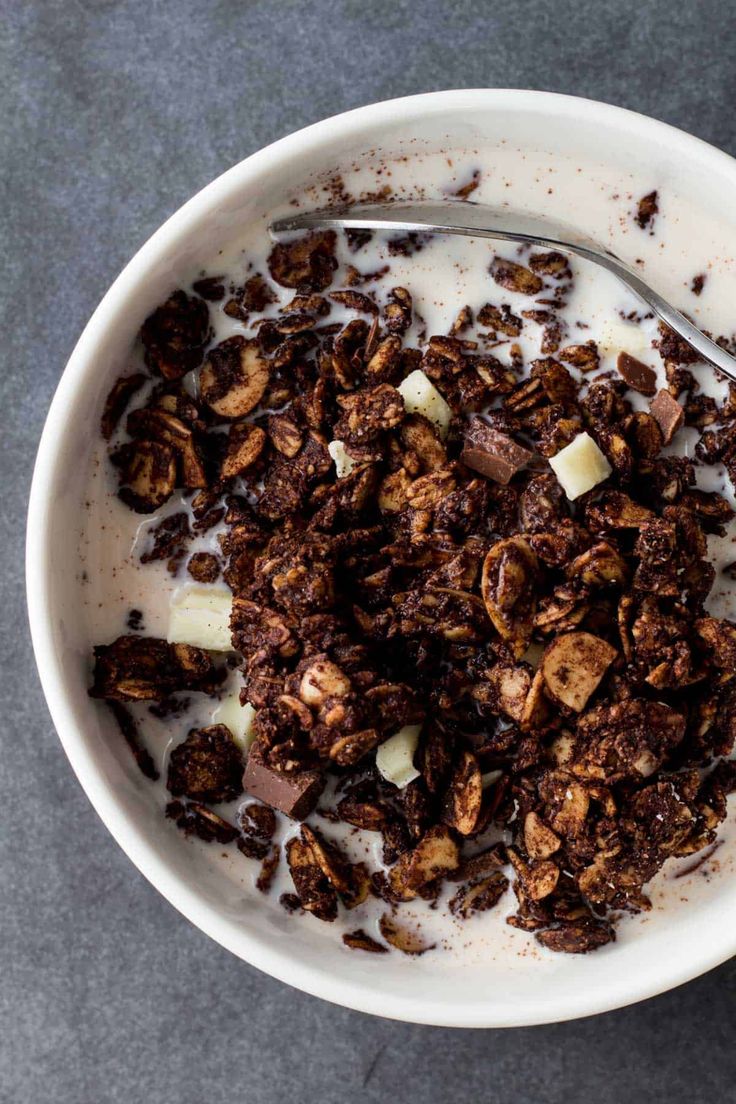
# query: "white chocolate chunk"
(395, 756)
(344, 464)
(422, 397)
(200, 616)
(239, 719)
(580, 466)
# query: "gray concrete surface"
(111, 115)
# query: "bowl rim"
(187, 898)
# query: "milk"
(445, 275)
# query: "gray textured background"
(111, 115)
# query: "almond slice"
(509, 593)
(573, 666)
(539, 840)
(464, 795)
(402, 937)
(234, 377)
(434, 856)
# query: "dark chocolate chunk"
(668, 414)
(493, 454)
(295, 793)
(638, 375)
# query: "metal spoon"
(475, 220)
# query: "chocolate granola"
(404, 568)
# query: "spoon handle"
(478, 221)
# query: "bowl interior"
(500, 988)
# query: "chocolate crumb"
(646, 209)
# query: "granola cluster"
(392, 570)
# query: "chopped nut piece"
(295, 793)
(344, 463)
(245, 445)
(421, 437)
(321, 681)
(350, 749)
(511, 687)
(573, 666)
(285, 434)
(539, 840)
(577, 938)
(197, 820)
(538, 878)
(508, 587)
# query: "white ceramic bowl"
(667, 951)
